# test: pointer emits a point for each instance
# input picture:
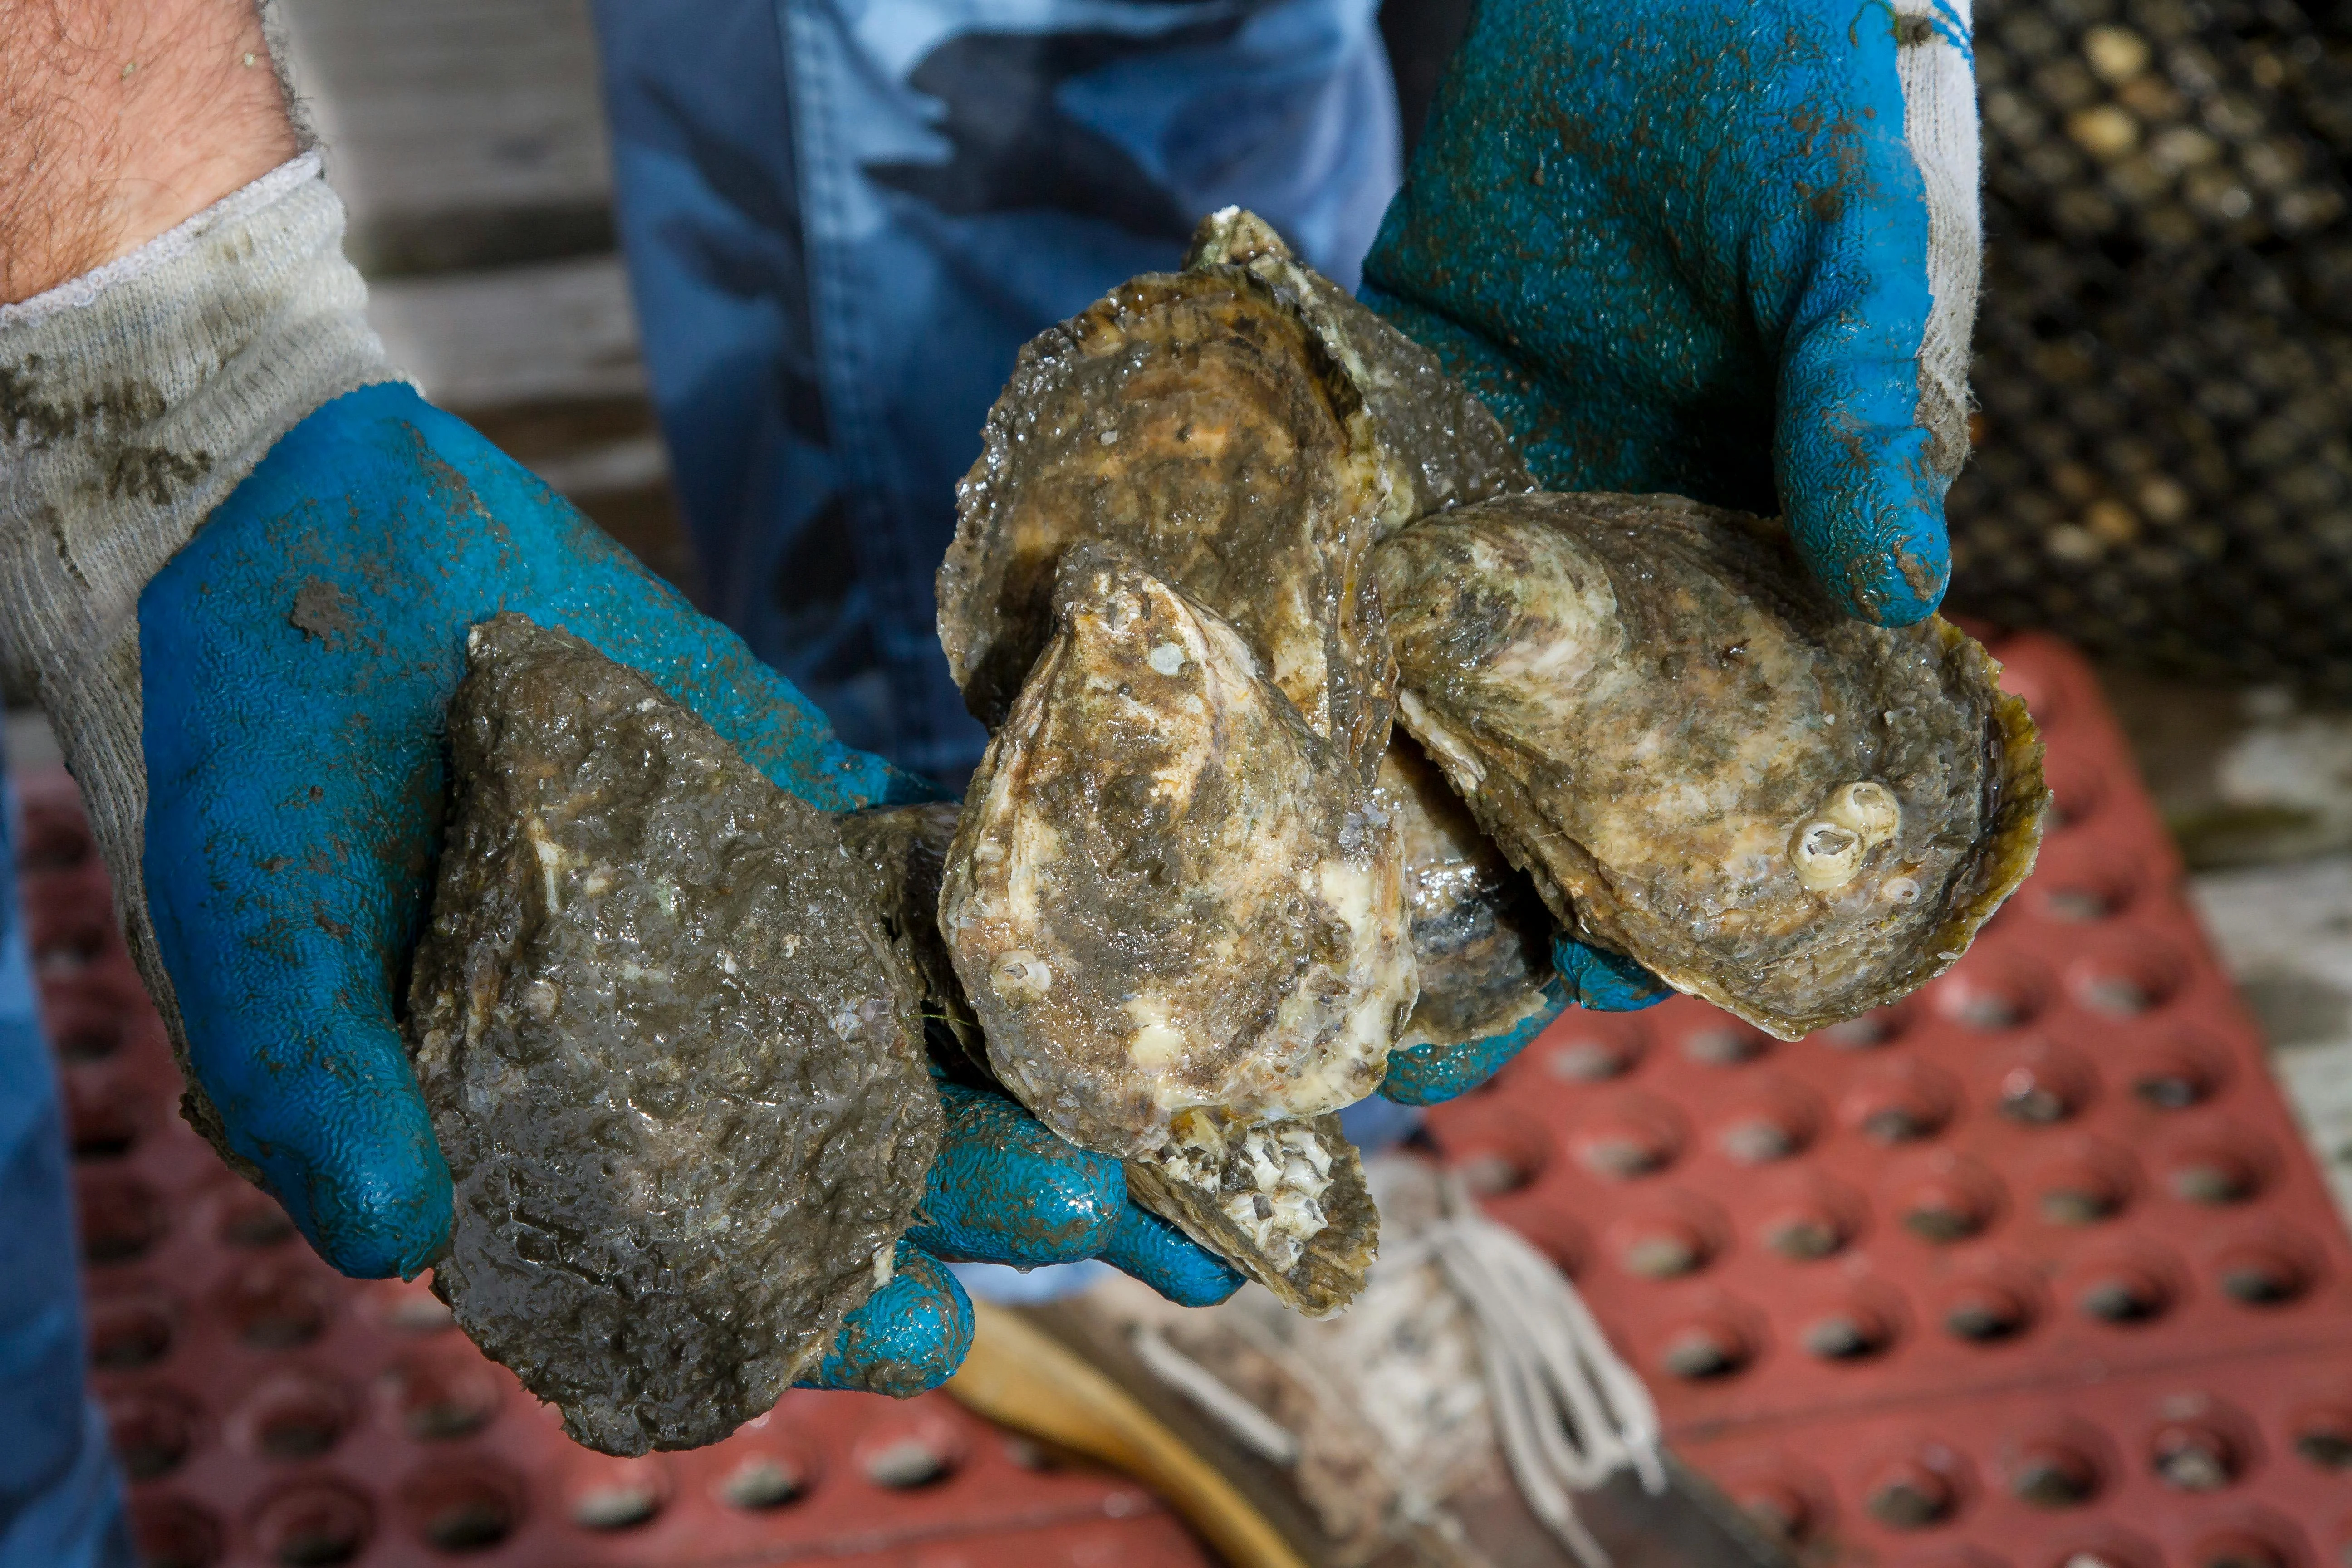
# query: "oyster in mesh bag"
(1177, 916)
(1701, 762)
(1194, 419)
(670, 1054)
(1481, 937)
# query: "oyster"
(1481, 937)
(1194, 419)
(1439, 446)
(668, 1051)
(1700, 760)
(1162, 895)
(905, 850)
(1283, 1202)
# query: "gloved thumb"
(1872, 392)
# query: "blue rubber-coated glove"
(1727, 248)
(1594, 978)
(298, 657)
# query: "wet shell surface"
(1194, 420)
(1439, 446)
(1481, 936)
(905, 850)
(1700, 760)
(1283, 1202)
(669, 1052)
(1164, 893)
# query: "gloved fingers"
(1431, 1074)
(909, 1336)
(1872, 392)
(1151, 1249)
(1005, 1189)
(1603, 982)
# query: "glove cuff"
(133, 400)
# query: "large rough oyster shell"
(905, 850)
(669, 1051)
(1481, 936)
(1439, 446)
(1195, 420)
(1164, 894)
(1702, 762)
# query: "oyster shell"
(1439, 445)
(1164, 894)
(1194, 419)
(905, 848)
(1700, 760)
(1481, 937)
(669, 1051)
(1285, 1202)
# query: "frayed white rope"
(1255, 1430)
(1569, 1413)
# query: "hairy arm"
(120, 119)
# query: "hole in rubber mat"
(2193, 1457)
(151, 1430)
(1944, 1199)
(1495, 1150)
(2085, 1183)
(446, 1393)
(1633, 1136)
(1917, 1492)
(121, 1216)
(1852, 1330)
(1706, 1345)
(1669, 1235)
(1990, 994)
(1725, 1044)
(1806, 1216)
(252, 1219)
(1879, 1026)
(2176, 1074)
(53, 838)
(276, 1305)
(2107, 1549)
(2053, 1474)
(2241, 1549)
(1994, 1303)
(2037, 1083)
(2323, 1437)
(2122, 1286)
(292, 1415)
(907, 1459)
(128, 1332)
(2077, 791)
(1588, 1049)
(460, 1511)
(82, 1035)
(2216, 1170)
(604, 1493)
(2125, 983)
(763, 1481)
(313, 1524)
(2082, 889)
(1899, 1101)
(171, 1532)
(1773, 1120)
(2270, 1268)
(407, 1307)
(103, 1115)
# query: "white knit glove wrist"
(133, 400)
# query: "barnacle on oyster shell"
(1195, 420)
(1163, 893)
(669, 1053)
(1283, 1201)
(1481, 936)
(1700, 760)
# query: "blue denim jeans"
(60, 1503)
(843, 217)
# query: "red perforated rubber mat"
(2032, 1269)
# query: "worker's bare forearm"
(120, 118)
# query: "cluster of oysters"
(1311, 720)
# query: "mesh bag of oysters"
(1312, 721)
